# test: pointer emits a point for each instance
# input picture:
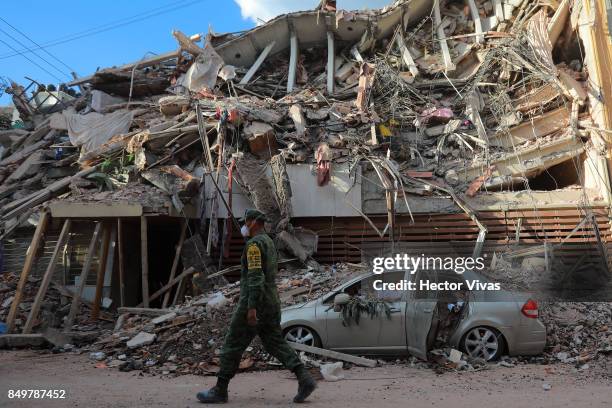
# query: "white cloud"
(258, 10)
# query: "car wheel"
(483, 342)
(303, 335)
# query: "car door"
(362, 337)
(392, 338)
(419, 314)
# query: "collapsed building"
(479, 123)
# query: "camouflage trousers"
(240, 335)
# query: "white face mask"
(244, 231)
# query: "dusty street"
(387, 386)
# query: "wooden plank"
(27, 268)
(175, 262)
(144, 257)
(365, 362)
(121, 262)
(95, 312)
(168, 286)
(143, 311)
(44, 284)
(62, 209)
(76, 300)
(260, 59)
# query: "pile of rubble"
(578, 333)
(53, 312)
(437, 101)
(186, 339)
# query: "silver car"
(482, 323)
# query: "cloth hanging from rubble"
(323, 156)
(94, 129)
(202, 74)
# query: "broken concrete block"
(455, 356)
(163, 318)
(261, 139)
(332, 371)
(97, 355)
(22, 340)
(101, 100)
(141, 339)
(173, 105)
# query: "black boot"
(306, 384)
(215, 395)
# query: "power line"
(29, 59)
(106, 27)
(38, 45)
(23, 45)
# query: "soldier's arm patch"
(253, 257)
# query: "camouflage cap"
(254, 214)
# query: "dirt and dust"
(387, 386)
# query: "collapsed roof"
(456, 99)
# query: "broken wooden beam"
(169, 285)
(360, 361)
(260, 59)
(46, 280)
(27, 268)
(145, 311)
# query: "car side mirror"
(341, 299)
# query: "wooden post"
(121, 262)
(144, 256)
(177, 257)
(95, 311)
(27, 268)
(44, 285)
(83, 277)
(180, 289)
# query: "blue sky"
(59, 20)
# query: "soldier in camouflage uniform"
(258, 313)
